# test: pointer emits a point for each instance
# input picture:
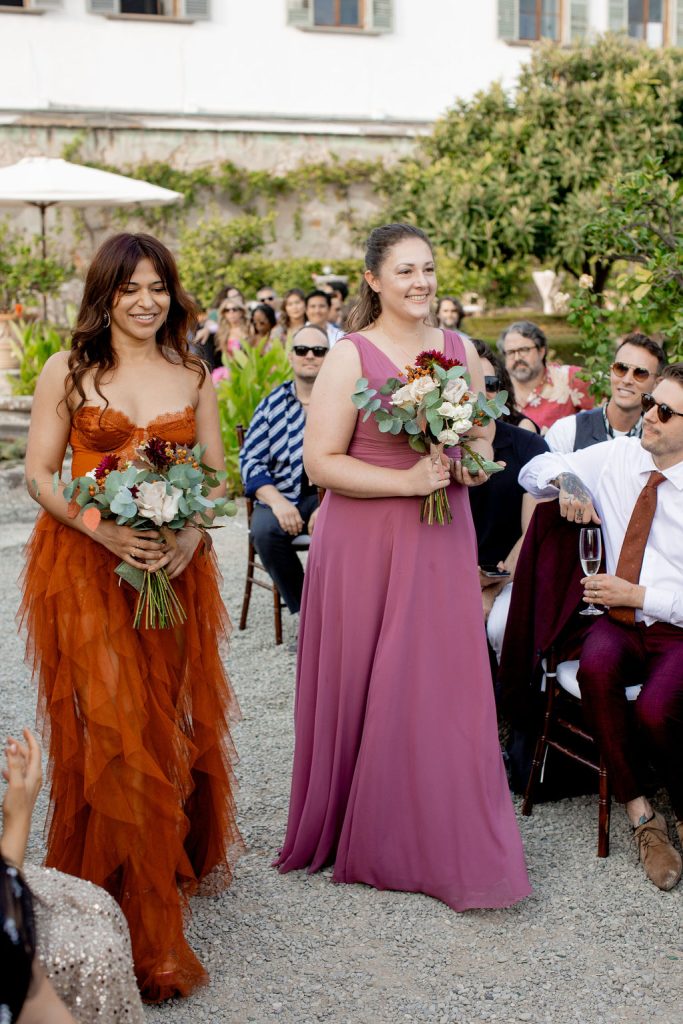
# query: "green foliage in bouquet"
(253, 374)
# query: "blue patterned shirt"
(273, 447)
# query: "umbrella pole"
(43, 238)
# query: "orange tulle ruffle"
(139, 748)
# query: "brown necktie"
(635, 539)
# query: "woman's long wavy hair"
(285, 322)
(112, 268)
(368, 308)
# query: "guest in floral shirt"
(543, 392)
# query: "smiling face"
(626, 390)
(448, 315)
(406, 282)
(141, 306)
(317, 309)
(664, 441)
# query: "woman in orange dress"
(140, 752)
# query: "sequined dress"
(84, 947)
(140, 752)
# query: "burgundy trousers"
(614, 657)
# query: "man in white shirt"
(318, 305)
(638, 361)
(606, 484)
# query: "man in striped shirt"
(272, 469)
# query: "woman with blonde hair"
(233, 330)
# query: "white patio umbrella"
(45, 181)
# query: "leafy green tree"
(640, 227)
(24, 273)
(207, 250)
(521, 175)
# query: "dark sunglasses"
(639, 372)
(664, 411)
(318, 350)
(267, 298)
(491, 383)
(232, 309)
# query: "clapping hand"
(23, 774)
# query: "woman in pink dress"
(398, 779)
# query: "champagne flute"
(590, 553)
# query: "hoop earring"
(107, 319)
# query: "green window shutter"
(382, 15)
(578, 20)
(103, 6)
(617, 20)
(197, 10)
(677, 38)
(299, 12)
(508, 19)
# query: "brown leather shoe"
(661, 860)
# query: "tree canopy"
(520, 175)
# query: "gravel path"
(596, 943)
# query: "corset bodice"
(96, 432)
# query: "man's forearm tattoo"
(572, 485)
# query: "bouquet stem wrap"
(436, 507)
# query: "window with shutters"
(646, 21)
(539, 19)
(337, 13)
(30, 6)
(168, 10)
(372, 16)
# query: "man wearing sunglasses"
(272, 470)
(638, 361)
(634, 489)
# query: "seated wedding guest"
(501, 380)
(634, 489)
(318, 304)
(292, 315)
(449, 313)
(272, 470)
(543, 391)
(233, 330)
(267, 296)
(64, 944)
(338, 292)
(501, 510)
(261, 324)
(638, 361)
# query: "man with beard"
(543, 392)
(634, 490)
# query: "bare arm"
(329, 429)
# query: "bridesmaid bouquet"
(165, 486)
(434, 406)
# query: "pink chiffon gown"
(398, 778)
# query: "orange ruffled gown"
(140, 752)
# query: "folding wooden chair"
(256, 571)
(563, 730)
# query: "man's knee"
(659, 712)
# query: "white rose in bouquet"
(403, 397)
(454, 390)
(449, 438)
(155, 503)
(421, 386)
(448, 410)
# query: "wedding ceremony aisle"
(596, 942)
